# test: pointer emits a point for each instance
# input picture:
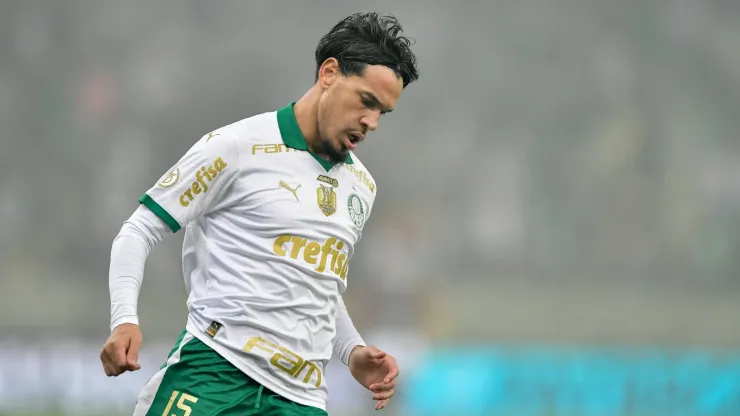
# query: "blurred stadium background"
(558, 223)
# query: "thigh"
(197, 381)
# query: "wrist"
(130, 319)
(357, 347)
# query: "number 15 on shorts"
(182, 403)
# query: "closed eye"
(369, 103)
(372, 102)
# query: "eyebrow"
(376, 102)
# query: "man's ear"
(328, 72)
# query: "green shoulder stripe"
(157, 209)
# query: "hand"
(121, 351)
(376, 371)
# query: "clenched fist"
(121, 351)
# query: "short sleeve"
(197, 182)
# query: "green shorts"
(197, 381)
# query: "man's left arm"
(372, 368)
(347, 337)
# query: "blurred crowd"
(547, 144)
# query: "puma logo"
(293, 191)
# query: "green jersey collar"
(293, 138)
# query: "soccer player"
(272, 206)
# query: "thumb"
(132, 356)
(377, 354)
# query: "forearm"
(347, 337)
(129, 251)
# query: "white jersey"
(269, 232)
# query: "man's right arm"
(130, 249)
(195, 186)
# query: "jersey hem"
(252, 372)
(157, 209)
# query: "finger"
(119, 354)
(381, 404)
(116, 357)
(132, 357)
(377, 355)
(383, 395)
(392, 374)
(105, 360)
(383, 386)
(108, 367)
(112, 371)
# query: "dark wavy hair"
(365, 39)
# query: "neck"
(306, 114)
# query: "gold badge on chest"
(326, 179)
(327, 199)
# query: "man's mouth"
(354, 138)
